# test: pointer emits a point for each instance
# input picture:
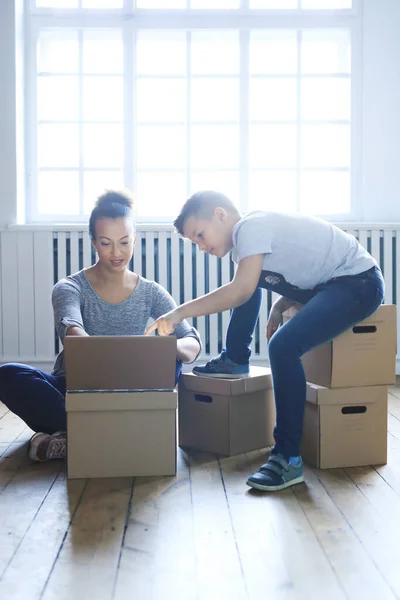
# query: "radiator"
(33, 260)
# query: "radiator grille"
(31, 261)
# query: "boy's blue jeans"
(330, 309)
(38, 397)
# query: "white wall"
(380, 167)
(380, 199)
(8, 164)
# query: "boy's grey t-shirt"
(302, 251)
(75, 302)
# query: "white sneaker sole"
(221, 375)
(275, 488)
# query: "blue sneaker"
(222, 366)
(277, 474)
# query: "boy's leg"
(241, 328)
(337, 306)
(38, 398)
(234, 359)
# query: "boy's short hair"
(112, 204)
(202, 204)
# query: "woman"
(105, 299)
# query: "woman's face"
(114, 243)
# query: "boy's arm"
(231, 295)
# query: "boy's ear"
(134, 241)
(220, 213)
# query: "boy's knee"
(277, 346)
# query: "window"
(190, 95)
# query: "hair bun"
(110, 197)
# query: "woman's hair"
(111, 205)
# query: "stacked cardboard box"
(345, 421)
(121, 433)
(121, 406)
(226, 416)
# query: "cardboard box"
(121, 434)
(345, 427)
(363, 355)
(118, 362)
(226, 416)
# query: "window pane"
(325, 193)
(273, 52)
(58, 98)
(160, 147)
(163, 4)
(326, 4)
(325, 51)
(325, 146)
(96, 183)
(102, 99)
(58, 52)
(274, 4)
(215, 52)
(273, 146)
(58, 145)
(102, 3)
(215, 4)
(215, 146)
(273, 190)
(215, 99)
(102, 146)
(273, 99)
(226, 182)
(57, 3)
(58, 193)
(161, 100)
(159, 53)
(160, 194)
(102, 51)
(325, 99)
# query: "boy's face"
(213, 236)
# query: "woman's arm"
(66, 299)
(188, 349)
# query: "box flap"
(112, 401)
(120, 362)
(260, 378)
(317, 394)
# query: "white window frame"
(130, 20)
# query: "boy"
(305, 260)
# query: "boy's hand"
(166, 323)
(274, 321)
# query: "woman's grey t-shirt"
(75, 303)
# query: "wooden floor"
(201, 535)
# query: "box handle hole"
(364, 329)
(203, 398)
(354, 410)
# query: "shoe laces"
(57, 447)
(217, 360)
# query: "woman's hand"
(166, 323)
(274, 320)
